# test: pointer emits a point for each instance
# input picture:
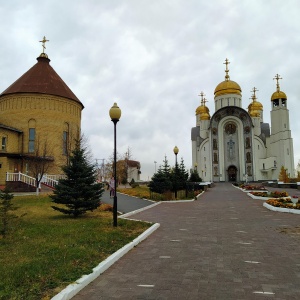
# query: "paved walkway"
(223, 246)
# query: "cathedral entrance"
(232, 173)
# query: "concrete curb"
(138, 210)
(72, 289)
(279, 209)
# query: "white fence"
(49, 180)
(21, 177)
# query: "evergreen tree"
(6, 206)
(182, 175)
(166, 169)
(79, 191)
(195, 177)
(160, 182)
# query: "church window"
(215, 146)
(65, 143)
(283, 102)
(275, 103)
(4, 143)
(204, 148)
(258, 147)
(31, 140)
(263, 166)
(284, 125)
(288, 151)
(204, 158)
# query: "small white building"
(235, 144)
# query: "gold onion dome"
(204, 116)
(254, 107)
(227, 86)
(254, 113)
(278, 94)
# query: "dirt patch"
(291, 231)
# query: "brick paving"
(223, 246)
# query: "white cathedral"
(236, 145)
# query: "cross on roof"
(277, 77)
(254, 96)
(201, 95)
(44, 40)
(226, 70)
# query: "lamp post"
(115, 114)
(176, 150)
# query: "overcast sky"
(153, 58)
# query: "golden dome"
(204, 116)
(254, 113)
(201, 109)
(278, 94)
(228, 87)
(256, 106)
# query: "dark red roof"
(41, 78)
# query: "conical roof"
(42, 79)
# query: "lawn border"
(282, 209)
(72, 289)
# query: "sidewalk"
(223, 246)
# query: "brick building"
(37, 112)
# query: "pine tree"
(182, 175)
(195, 177)
(166, 169)
(6, 206)
(79, 191)
(160, 182)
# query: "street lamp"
(176, 150)
(115, 114)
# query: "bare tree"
(40, 161)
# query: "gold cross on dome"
(204, 101)
(226, 70)
(44, 40)
(201, 95)
(254, 96)
(277, 77)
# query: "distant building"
(134, 170)
(235, 144)
(37, 111)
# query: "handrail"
(50, 180)
(21, 177)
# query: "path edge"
(72, 289)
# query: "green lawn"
(47, 250)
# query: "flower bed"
(283, 203)
(252, 187)
(275, 194)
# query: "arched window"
(31, 135)
(65, 139)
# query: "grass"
(144, 193)
(46, 250)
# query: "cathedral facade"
(235, 144)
